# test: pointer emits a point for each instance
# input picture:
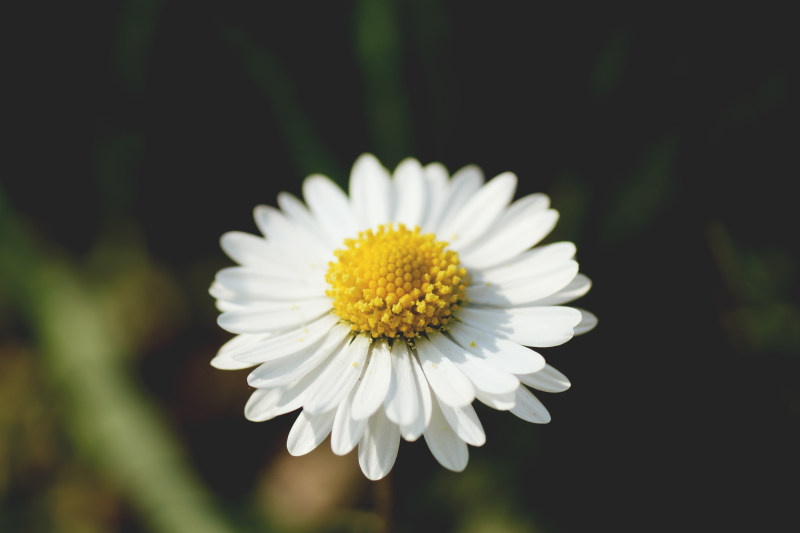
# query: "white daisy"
(386, 313)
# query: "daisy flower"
(385, 314)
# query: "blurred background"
(142, 130)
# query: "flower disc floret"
(396, 282)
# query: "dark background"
(143, 130)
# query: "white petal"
(464, 185)
(255, 285)
(252, 251)
(224, 359)
(502, 353)
(273, 224)
(219, 292)
(526, 222)
(529, 408)
(276, 346)
(227, 305)
(445, 445)
(370, 192)
(521, 267)
(330, 207)
(292, 239)
(402, 401)
(588, 322)
(281, 372)
(449, 384)
(240, 302)
(308, 432)
(287, 316)
(436, 186)
(548, 380)
(377, 450)
(538, 285)
(517, 213)
(262, 404)
(576, 288)
(346, 432)
(501, 402)
(465, 423)
(412, 431)
(483, 375)
(300, 215)
(411, 193)
(529, 326)
(374, 384)
(480, 212)
(338, 377)
(289, 398)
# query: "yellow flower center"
(394, 282)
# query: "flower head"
(384, 314)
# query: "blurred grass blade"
(116, 160)
(379, 51)
(307, 151)
(433, 37)
(610, 64)
(644, 195)
(135, 32)
(112, 422)
(573, 196)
